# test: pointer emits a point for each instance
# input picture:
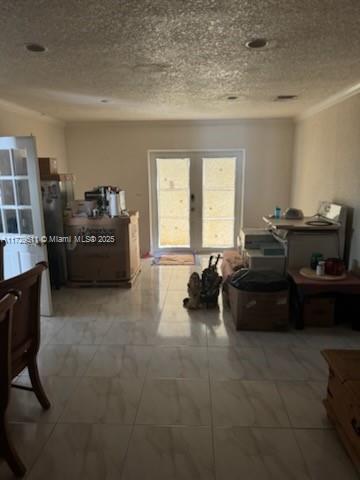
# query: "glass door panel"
(173, 202)
(26, 224)
(15, 199)
(218, 205)
(5, 165)
(7, 196)
(196, 199)
(11, 223)
(20, 162)
(173, 192)
(22, 192)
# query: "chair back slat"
(25, 337)
(6, 312)
(2, 246)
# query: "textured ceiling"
(157, 59)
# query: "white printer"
(261, 250)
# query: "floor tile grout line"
(307, 469)
(212, 429)
(176, 425)
(283, 403)
(134, 424)
(56, 422)
(28, 472)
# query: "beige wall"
(49, 133)
(116, 153)
(327, 162)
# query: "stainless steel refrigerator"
(57, 193)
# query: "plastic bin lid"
(259, 281)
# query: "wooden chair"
(19, 346)
(2, 246)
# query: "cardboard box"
(343, 397)
(343, 434)
(345, 364)
(319, 312)
(107, 251)
(344, 401)
(47, 167)
(258, 310)
(82, 207)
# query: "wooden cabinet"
(343, 398)
(103, 250)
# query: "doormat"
(175, 259)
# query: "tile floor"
(142, 389)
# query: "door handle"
(192, 197)
(192, 209)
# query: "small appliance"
(116, 202)
(293, 214)
(100, 194)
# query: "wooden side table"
(302, 288)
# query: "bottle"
(320, 268)
(315, 259)
(277, 212)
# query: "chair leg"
(36, 384)
(8, 451)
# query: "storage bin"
(319, 311)
(259, 300)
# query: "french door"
(196, 199)
(21, 213)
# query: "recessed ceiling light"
(232, 97)
(281, 98)
(257, 43)
(35, 47)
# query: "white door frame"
(239, 153)
(24, 250)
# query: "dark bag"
(210, 283)
(259, 281)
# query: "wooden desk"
(303, 287)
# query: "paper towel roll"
(114, 204)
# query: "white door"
(196, 199)
(21, 214)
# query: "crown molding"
(179, 122)
(14, 108)
(330, 102)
